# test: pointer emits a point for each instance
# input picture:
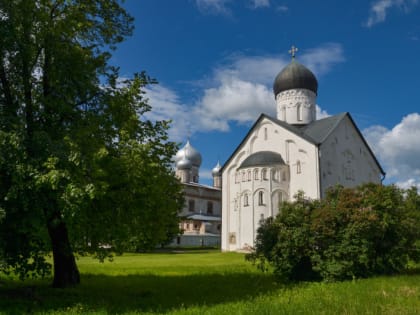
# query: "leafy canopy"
(81, 168)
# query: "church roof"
(320, 129)
(203, 217)
(262, 158)
(316, 132)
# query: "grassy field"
(204, 282)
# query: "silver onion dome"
(184, 164)
(190, 153)
(216, 170)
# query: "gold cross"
(293, 51)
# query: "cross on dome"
(293, 51)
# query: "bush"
(359, 232)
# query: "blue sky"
(216, 60)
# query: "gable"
(253, 130)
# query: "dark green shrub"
(359, 232)
(285, 242)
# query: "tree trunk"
(66, 273)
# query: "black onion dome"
(295, 76)
(262, 158)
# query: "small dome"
(262, 158)
(190, 153)
(184, 164)
(295, 76)
(216, 170)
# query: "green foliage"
(80, 165)
(360, 232)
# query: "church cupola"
(187, 164)
(295, 90)
(217, 176)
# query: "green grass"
(204, 282)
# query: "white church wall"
(346, 160)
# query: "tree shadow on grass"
(136, 293)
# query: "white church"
(292, 152)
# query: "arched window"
(249, 175)
(264, 174)
(298, 167)
(280, 197)
(275, 175)
(256, 174)
(246, 204)
(243, 176)
(299, 112)
(261, 198)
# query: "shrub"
(358, 232)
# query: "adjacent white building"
(292, 152)
(201, 215)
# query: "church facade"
(292, 152)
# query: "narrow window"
(298, 167)
(256, 174)
(299, 112)
(209, 207)
(264, 174)
(274, 176)
(191, 205)
(249, 175)
(265, 134)
(280, 196)
(246, 204)
(243, 176)
(261, 198)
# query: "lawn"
(204, 282)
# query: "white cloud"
(221, 7)
(233, 99)
(321, 59)
(205, 174)
(166, 105)
(321, 113)
(282, 8)
(213, 6)
(379, 9)
(398, 150)
(260, 4)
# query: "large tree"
(81, 169)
